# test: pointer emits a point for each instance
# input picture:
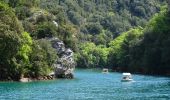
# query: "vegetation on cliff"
(102, 33)
(21, 56)
(100, 21)
(142, 50)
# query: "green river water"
(89, 85)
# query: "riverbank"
(37, 79)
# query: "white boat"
(126, 77)
(105, 70)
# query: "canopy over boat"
(126, 74)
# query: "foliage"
(91, 55)
(42, 58)
(103, 33)
(45, 29)
(114, 16)
(21, 56)
(25, 49)
(10, 42)
(24, 52)
(121, 47)
(156, 40)
(28, 3)
(94, 28)
(68, 34)
(22, 12)
(148, 51)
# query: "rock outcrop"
(65, 65)
(25, 80)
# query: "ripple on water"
(89, 85)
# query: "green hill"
(102, 33)
(92, 17)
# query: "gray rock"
(55, 23)
(65, 65)
(25, 80)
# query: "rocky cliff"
(65, 65)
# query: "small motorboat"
(105, 70)
(126, 77)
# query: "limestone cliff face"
(65, 65)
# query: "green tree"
(42, 59)
(10, 43)
(120, 48)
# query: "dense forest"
(141, 49)
(129, 35)
(100, 21)
(144, 50)
(21, 54)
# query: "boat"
(126, 77)
(105, 70)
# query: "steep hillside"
(83, 20)
(147, 53)
(102, 19)
(88, 27)
(142, 50)
(24, 54)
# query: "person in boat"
(127, 77)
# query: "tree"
(10, 42)
(121, 46)
(94, 28)
(42, 59)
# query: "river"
(89, 85)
